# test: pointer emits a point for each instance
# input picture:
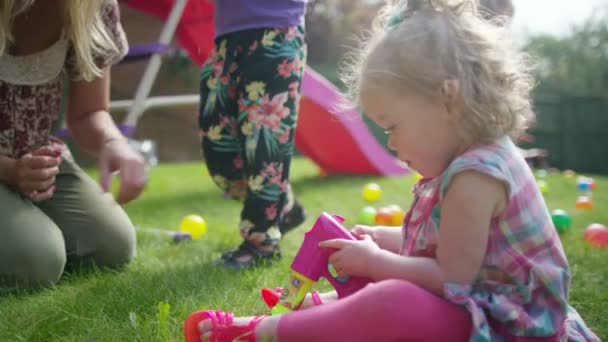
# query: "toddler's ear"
(452, 100)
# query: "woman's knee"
(36, 263)
(116, 245)
(47, 265)
(32, 248)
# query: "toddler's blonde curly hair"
(422, 43)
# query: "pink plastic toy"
(597, 235)
(311, 263)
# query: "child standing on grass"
(478, 258)
(250, 91)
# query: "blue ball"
(583, 185)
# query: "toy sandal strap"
(222, 328)
(316, 299)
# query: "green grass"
(151, 297)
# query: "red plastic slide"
(338, 141)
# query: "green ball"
(367, 216)
(561, 220)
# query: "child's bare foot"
(206, 327)
(325, 297)
(251, 328)
(271, 297)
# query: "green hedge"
(574, 130)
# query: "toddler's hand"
(388, 238)
(353, 258)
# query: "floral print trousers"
(250, 92)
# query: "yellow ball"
(193, 225)
(417, 176)
(372, 192)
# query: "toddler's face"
(418, 126)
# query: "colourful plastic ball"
(372, 192)
(569, 173)
(584, 203)
(583, 186)
(397, 215)
(543, 186)
(585, 183)
(367, 216)
(417, 176)
(542, 173)
(193, 225)
(597, 235)
(561, 220)
(384, 217)
(591, 184)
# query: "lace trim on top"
(36, 68)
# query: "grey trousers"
(79, 225)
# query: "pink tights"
(390, 310)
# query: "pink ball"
(597, 235)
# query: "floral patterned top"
(521, 289)
(31, 88)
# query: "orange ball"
(384, 217)
(584, 203)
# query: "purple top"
(237, 15)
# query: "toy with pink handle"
(311, 263)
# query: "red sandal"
(222, 328)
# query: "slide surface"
(339, 142)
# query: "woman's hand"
(117, 156)
(388, 238)
(33, 175)
(352, 257)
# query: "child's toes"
(205, 327)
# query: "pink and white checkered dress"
(522, 286)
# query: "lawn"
(149, 300)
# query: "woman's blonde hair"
(84, 27)
(422, 43)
